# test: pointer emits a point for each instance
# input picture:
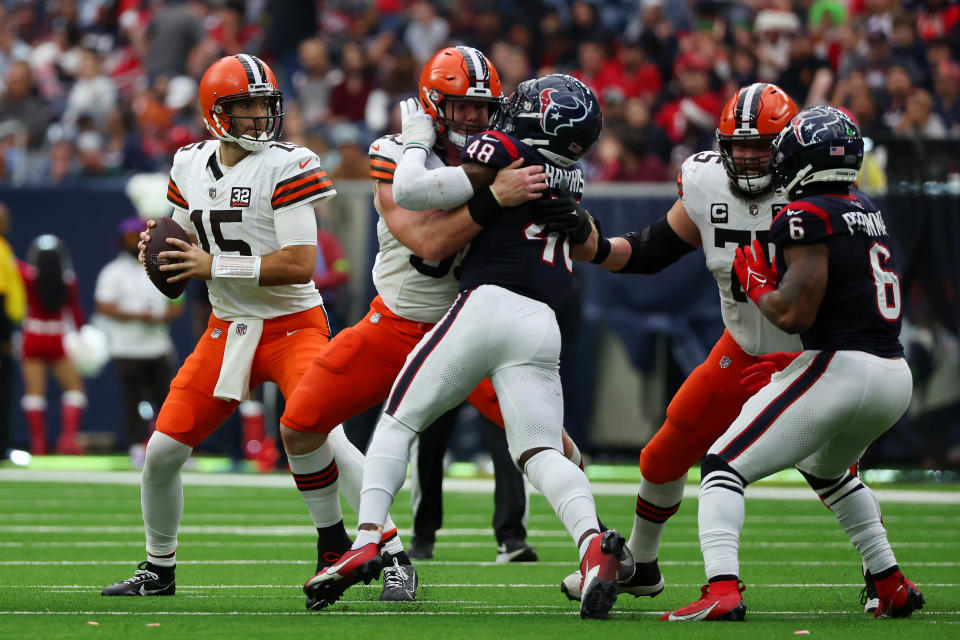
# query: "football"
(166, 228)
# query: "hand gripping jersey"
(726, 220)
(413, 288)
(512, 252)
(232, 211)
(861, 307)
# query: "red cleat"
(719, 600)
(353, 566)
(898, 597)
(599, 566)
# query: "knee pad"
(301, 413)
(816, 483)
(164, 457)
(669, 454)
(175, 416)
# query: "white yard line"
(442, 563)
(482, 611)
(502, 585)
(465, 545)
(458, 485)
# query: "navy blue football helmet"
(556, 114)
(820, 144)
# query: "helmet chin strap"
(455, 137)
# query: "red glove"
(756, 275)
(757, 376)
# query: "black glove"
(562, 214)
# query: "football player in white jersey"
(415, 267)
(726, 201)
(246, 198)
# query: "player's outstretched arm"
(650, 250)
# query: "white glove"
(416, 126)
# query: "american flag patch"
(836, 151)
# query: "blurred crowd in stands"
(100, 88)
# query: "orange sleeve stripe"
(296, 184)
(385, 165)
(309, 190)
(176, 199)
(680, 183)
(381, 175)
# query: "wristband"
(483, 207)
(227, 267)
(603, 250)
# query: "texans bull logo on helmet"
(811, 127)
(559, 110)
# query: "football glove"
(756, 275)
(562, 214)
(417, 127)
(757, 375)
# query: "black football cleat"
(143, 583)
(399, 582)
(515, 551)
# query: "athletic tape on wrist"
(226, 267)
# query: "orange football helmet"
(235, 78)
(464, 74)
(754, 114)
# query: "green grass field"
(244, 551)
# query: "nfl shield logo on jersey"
(754, 209)
(216, 333)
(241, 329)
(213, 192)
(725, 362)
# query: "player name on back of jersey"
(564, 179)
(869, 223)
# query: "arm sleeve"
(654, 248)
(419, 189)
(296, 226)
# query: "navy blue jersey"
(513, 252)
(861, 307)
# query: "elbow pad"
(655, 248)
